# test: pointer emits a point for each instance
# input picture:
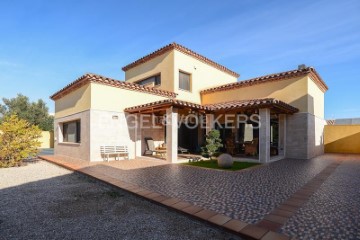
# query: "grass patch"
(213, 164)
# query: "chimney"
(301, 67)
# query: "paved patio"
(250, 195)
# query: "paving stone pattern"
(333, 212)
(306, 199)
(245, 195)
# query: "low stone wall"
(342, 138)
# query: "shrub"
(18, 140)
(213, 143)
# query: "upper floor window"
(184, 81)
(151, 81)
(71, 131)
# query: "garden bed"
(214, 165)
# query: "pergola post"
(264, 135)
(282, 134)
(137, 136)
(171, 134)
(209, 123)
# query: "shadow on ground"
(44, 201)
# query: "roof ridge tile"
(182, 49)
(96, 78)
(271, 77)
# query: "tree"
(18, 140)
(213, 142)
(35, 113)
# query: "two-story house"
(265, 118)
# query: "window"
(184, 81)
(71, 132)
(151, 81)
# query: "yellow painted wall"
(74, 102)
(163, 64)
(116, 99)
(47, 139)
(292, 91)
(315, 99)
(202, 76)
(342, 138)
(169, 64)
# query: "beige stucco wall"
(315, 99)
(169, 64)
(116, 99)
(299, 92)
(342, 138)
(74, 102)
(47, 139)
(163, 64)
(292, 91)
(202, 76)
(109, 131)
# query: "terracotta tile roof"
(253, 103)
(184, 50)
(224, 106)
(166, 103)
(330, 122)
(271, 78)
(94, 78)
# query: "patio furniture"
(251, 148)
(151, 148)
(107, 151)
(183, 150)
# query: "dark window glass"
(71, 131)
(184, 81)
(151, 81)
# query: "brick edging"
(277, 218)
(240, 228)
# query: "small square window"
(71, 131)
(184, 81)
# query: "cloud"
(321, 32)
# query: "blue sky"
(44, 45)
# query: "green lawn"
(213, 164)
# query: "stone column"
(171, 134)
(209, 122)
(264, 135)
(282, 134)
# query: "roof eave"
(268, 78)
(95, 78)
(184, 50)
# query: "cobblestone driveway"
(332, 212)
(245, 195)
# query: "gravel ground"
(44, 201)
